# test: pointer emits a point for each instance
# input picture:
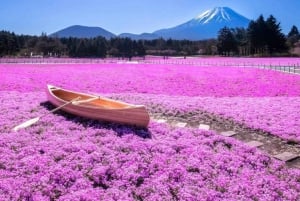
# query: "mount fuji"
(206, 25)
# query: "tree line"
(37, 46)
(262, 38)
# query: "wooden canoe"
(100, 108)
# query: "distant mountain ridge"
(143, 36)
(79, 31)
(204, 26)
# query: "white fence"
(289, 65)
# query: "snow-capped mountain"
(205, 25)
(219, 15)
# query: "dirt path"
(280, 149)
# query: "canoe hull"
(123, 114)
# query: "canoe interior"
(104, 103)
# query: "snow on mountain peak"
(218, 14)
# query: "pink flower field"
(64, 157)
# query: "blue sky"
(135, 16)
